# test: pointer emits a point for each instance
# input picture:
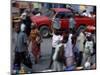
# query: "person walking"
(15, 32)
(88, 51)
(35, 38)
(69, 52)
(21, 50)
(80, 45)
(56, 38)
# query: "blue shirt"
(21, 42)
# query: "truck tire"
(44, 31)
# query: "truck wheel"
(44, 31)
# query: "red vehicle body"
(44, 23)
(41, 21)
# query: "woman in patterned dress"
(35, 39)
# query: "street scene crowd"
(70, 50)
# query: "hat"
(16, 19)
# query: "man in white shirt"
(56, 39)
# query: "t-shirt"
(56, 39)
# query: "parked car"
(44, 23)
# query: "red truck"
(44, 23)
